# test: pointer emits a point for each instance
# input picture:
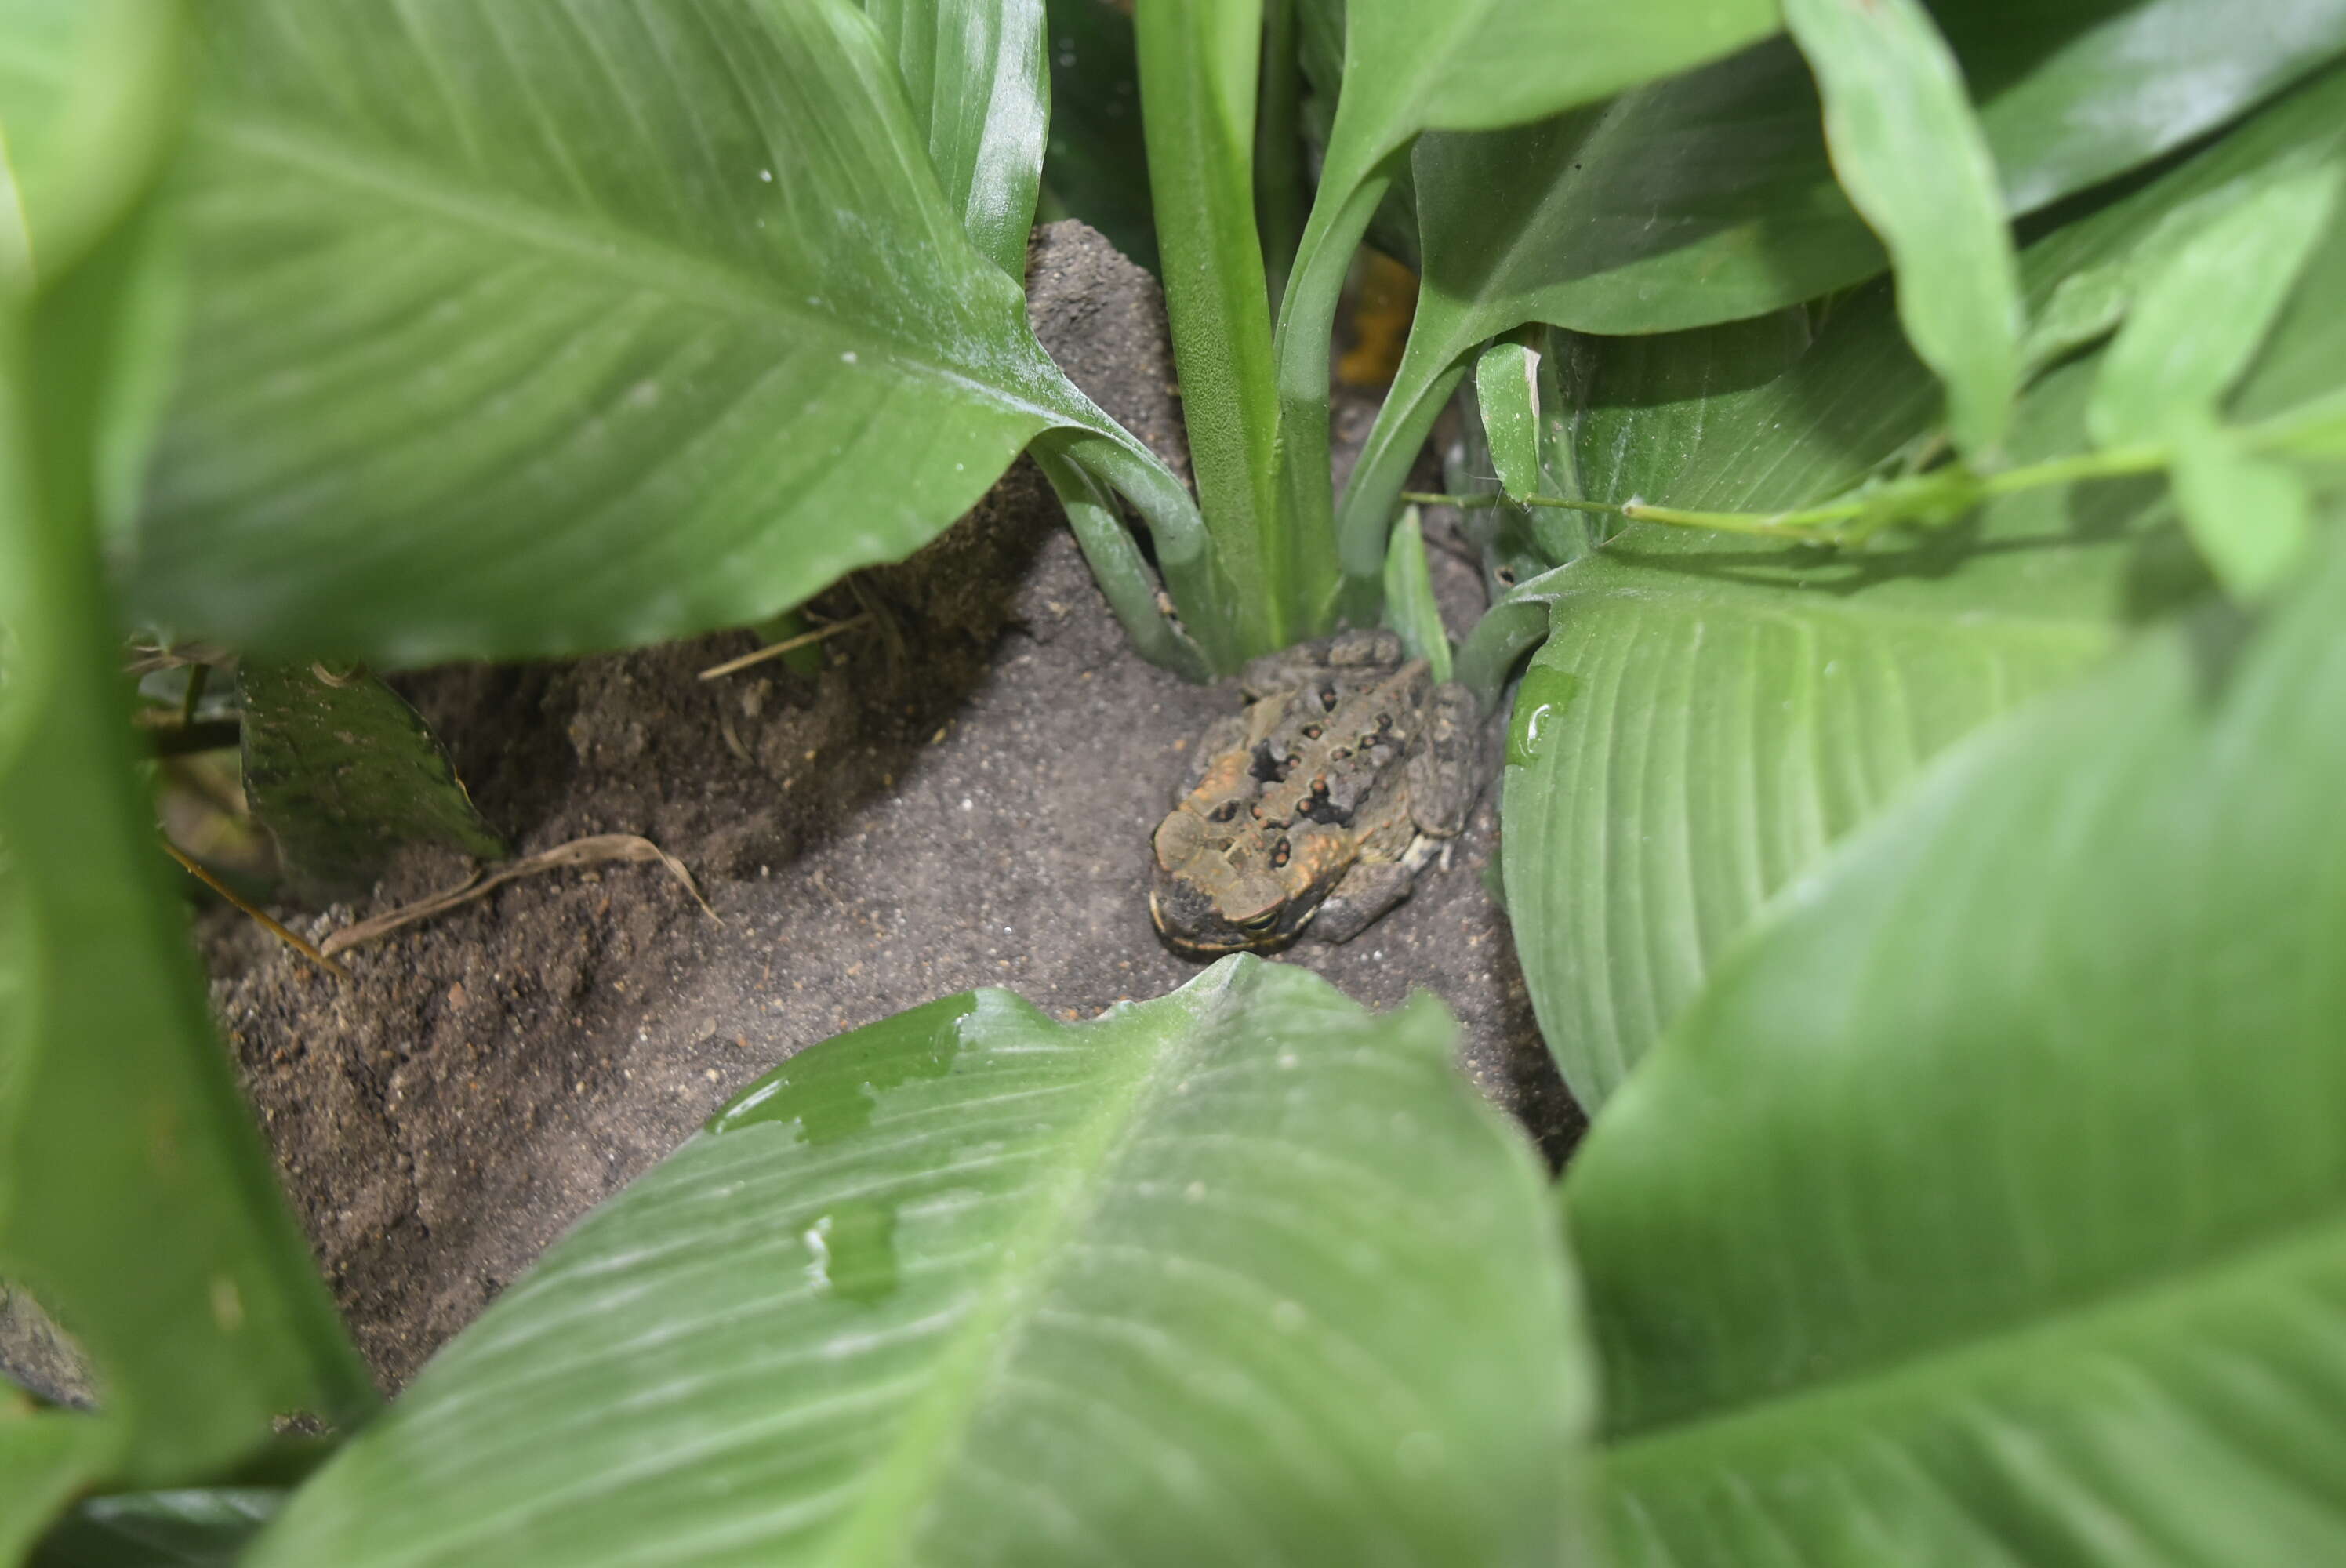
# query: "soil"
(962, 795)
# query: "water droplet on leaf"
(1539, 708)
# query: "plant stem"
(297, 943)
(1212, 611)
(1279, 194)
(1363, 518)
(198, 677)
(1198, 67)
(1117, 563)
(1813, 525)
(1306, 325)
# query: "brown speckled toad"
(1317, 805)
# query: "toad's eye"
(1263, 921)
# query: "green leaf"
(1710, 197)
(1711, 713)
(80, 153)
(591, 350)
(45, 1457)
(1242, 1273)
(206, 1529)
(1411, 66)
(1410, 609)
(1320, 51)
(1416, 65)
(1812, 410)
(1914, 162)
(138, 1204)
(2252, 518)
(1506, 391)
(2201, 314)
(1707, 715)
(972, 70)
(1097, 168)
(1117, 562)
(2086, 306)
(1990, 1207)
(16, 236)
(343, 772)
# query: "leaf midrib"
(620, 253)
(888, 1516)
(636, 258)
(2303, 1243)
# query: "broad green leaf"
(1410, 609)
(1417, 66)
(528, 330)
(1911, 156)
(1709, 714)
(1240, 1275)
(1709, 197)
(1506, 391)
(343, 772)
(1198, 65)
(1811, 409)
(974, 72)
(2251, 517)
(138, 1203)
(2198, 319)
(1991, 1207)
(1096, 167)
(206, 1529)
(1712, 712)
(46, 1456)
(1411, 66)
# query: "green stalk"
(1186, 557)
(1115, 561)
(1364, 518)
(1198, 62)
(1279, 190)
(1349, 197)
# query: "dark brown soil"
(963, 796)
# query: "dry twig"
(323, 958)
(597, 849)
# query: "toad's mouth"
(1214, 937)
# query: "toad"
(1317, 805)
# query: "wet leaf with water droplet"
(831, 1094)
(1540, 704)
(970, 1256)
